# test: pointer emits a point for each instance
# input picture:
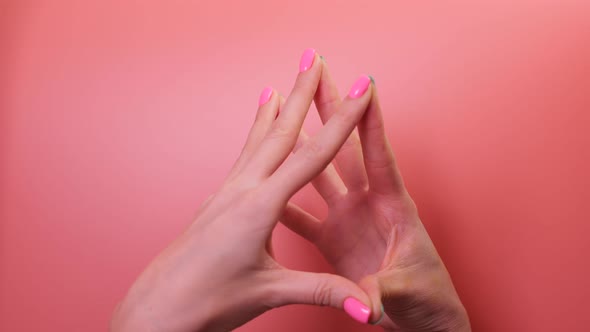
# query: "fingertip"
(381, 316)
(265, 95)
(360, 87)
(357, 310)
(307, 59)
(310, 66)
(370, 286)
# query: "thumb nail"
(357, 310)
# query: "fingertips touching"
(349, 160)
(357, 310)
(307, 60)
(360, 86)
(327, 99)
(320, 149)
(370, 285)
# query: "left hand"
(220, 272)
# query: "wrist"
(142, 314)
(153, 303)
(461, 321)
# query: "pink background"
(119, 117)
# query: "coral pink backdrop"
(119, 117)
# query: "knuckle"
(281, 132)
(328, 104)
(305, 87)
(376, 164)
(345, 117)
(375, 124)
(322, 294)
(255, 199)
(381, 158)
(313, 149)
(263, 199)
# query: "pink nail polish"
(360, 87)
(265, 96)
(306, 60)
(357, 310)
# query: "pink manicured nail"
(360, 87)
(306, 59)
(357, 310)
(265, 96)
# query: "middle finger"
(349, 160)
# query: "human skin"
(220, 272)
(373, 234)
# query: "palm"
(355, 235)
(364, 192)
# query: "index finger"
(281, 138)
(349, 160)
(382, 170)
(320, 149)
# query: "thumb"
(322, 289)
(371, 285)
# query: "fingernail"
(306, 60)
(380, 317)
(360, 87)
(265, 96)
(372, 79)
(357, 310)
(322, 57)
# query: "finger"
(269, 248)
(281, 138)
(409, 295)
(319, 150)
(205, 204)
(371, 285)
(281, 105)
(349, 160)
(323, 289)
(300, 222)
(328, 183)
(268, 108)
(382, 171)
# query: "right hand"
(373, 234)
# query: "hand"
(373, 234)
(220, 272)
